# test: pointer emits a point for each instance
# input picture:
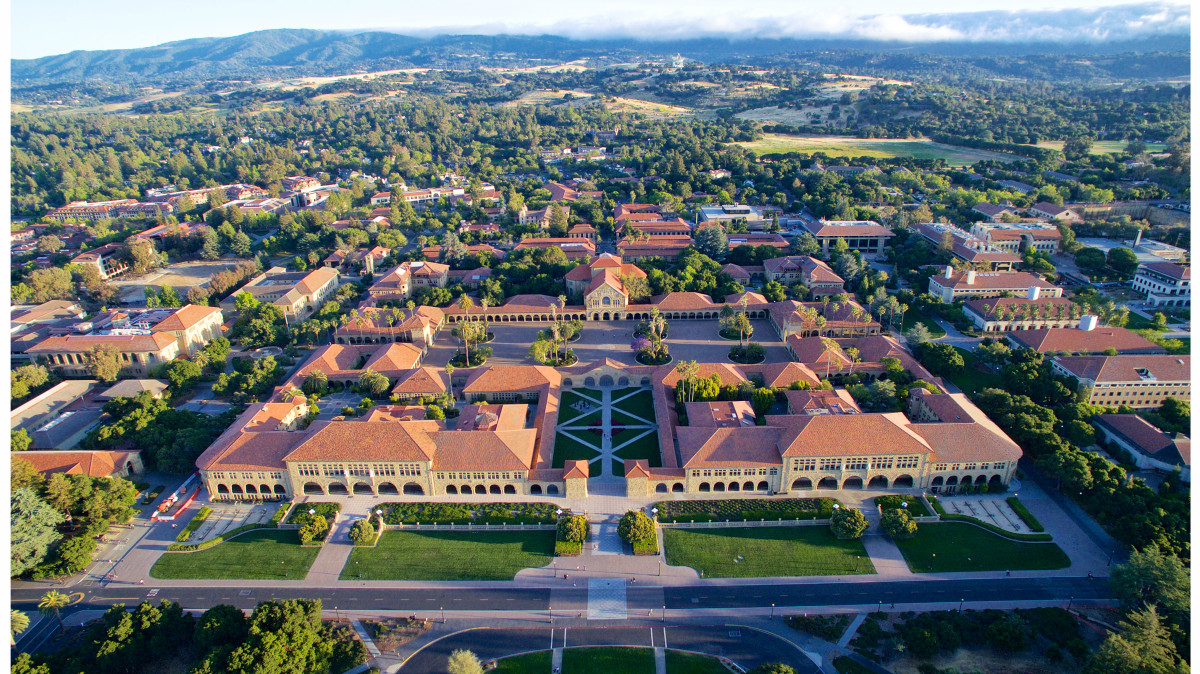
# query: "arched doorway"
(802, 483)
(450, 489)
(677, 488)
(878, 482)
(465, 489)
(387, 488)
(937, 481)
(480, 489)
(606, 380)
(589, 382)
(552, 489)
(906, 481)
(338, 488)
(705, 487)
(853, 483)
(363, 488)
(763, 486)
(749, 486)
(236, 489)
(509, 489)
(251, 489)
(996, 481)
(264, 489)
(494, 489)
(660, 488)
(535, 489)
(719, 486)
(313, 488)
(982, 479)
(733, 486)
(827, 483)
(280, 489)
(222, 489)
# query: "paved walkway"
(851, 629)
(327, 568)
(582, 430)
(366, 638)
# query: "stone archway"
(878, 482)
(509, 489)
(363, 488)
(802, 483)
(827, 483)
(749, 486)
(222, 489)
(494, 489)
(906, 481)
(451, 489)
(853, 483)
(677, 488)
(338, 488)
(660, 488)
(480, 489)
(552, 489)
(387, 488)
(763, 486)
(313, 488)
(606, 380)
(704, 486)
(535, 489)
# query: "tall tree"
(32, 530)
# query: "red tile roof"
(1074, 340)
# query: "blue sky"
(45, 27)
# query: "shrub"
(572, 528)
(647, 545)
(1026, 516)
(193, 525)
(827, 627)
(567, 549)
(363, 532)
(635, 526)
(898, 523)
(848, 523)
(1010, 634)
(314, 530)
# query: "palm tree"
(450, 379)
(18, 622)
(412, 308)
(465, 303)
(52, 603)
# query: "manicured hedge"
(1026, 516)
(469, 513)
(279, 514)
(997, 530)
(933, 501)
(646, 546)
(742, 510)
(193, 525)
(327, 510)
(180, 547)
(893, 501)
(567, 549)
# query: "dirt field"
(844, 146)
(180, 276)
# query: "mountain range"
(286, 53)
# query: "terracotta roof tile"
(1073, 340)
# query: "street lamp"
(443, 610)
(772, 611)
(960, 603)
(551, 614)
(664, 613)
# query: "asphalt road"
(367, 599)
(746, 646)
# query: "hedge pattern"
(1026, 516)
(193, 525)
(469, 513)
(1035, 538)
(741, 510)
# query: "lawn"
(567, 448)
(530, 663)
(679, 662)
(265, 554)
(972, 380)
(955, 546)
(608, 660)
(1104, 146)
(450, 555)
(641, 404)
(912, 317)
(620, 418)
(765, 551)
(567, 413)
(645, 447)
(876, 148)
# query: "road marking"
(152, 593)
(606, 599)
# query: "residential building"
(1165, 284)
(668, 247)
(359, 260)
(1147, 446)
(433, 253)
(867, 237)
(1142, 381)
(995, 212)
(88, 210)
(1086, 339)
(1054, 212)
(1019, 237)
(1016, 186)
(967, 247)
(812, 273)
(400, 284)
(561, 192)
(108, 259)
(575, 249)
(952, 286)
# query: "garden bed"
(827, 627)
(469, 513)
(657, 361)
(741, 510)
(892, 502)
(391, 634)
(1026, 516)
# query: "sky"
(47, 27)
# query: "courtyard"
(605, 427)
(687, 340)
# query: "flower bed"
(741, 510)
(892, 502)
(327, 510)
(469, 513)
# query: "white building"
(1165, 284)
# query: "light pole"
(664, 613)
(1110, 556)
(960, 603)
(772, 611)
(1069, 602)
(551, 614)
(443, 610)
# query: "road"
(697, 598)
(746, 646)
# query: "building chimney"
(1089, 323)
(971, 277)
(1033, 293)
(949, 271)
(1138, 239)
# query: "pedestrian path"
(854, 624)
(605, 540)
(606, 599)
(660, 660)
(327, 567)
(366, 638)
(556, 659)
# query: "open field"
(530, 663)
(755, 552)
(607, 660)
(974, 377)
(267, 554)
(450, 555)
(956, 546)
(651, 109)
(546, 97)
(881, 148)
(1104, 146)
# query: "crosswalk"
(606, 599)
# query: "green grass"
(450, 555)
(645, 447)
(530, 663)
(608, 660)
(641, 403)
(679, 662)
(765, 551)
(877, 148)
(567, 413)
(1104, 146)
(971, 380)
(912, 317)
(267, 554)
(567, 448)
(914, 508)
(953, 546)
(620, 418)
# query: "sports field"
(879, 148)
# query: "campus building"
(297, 294)
(1140, 381)
(952, 286)
(1001, 314)
(1165, 284)
(865, 236)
